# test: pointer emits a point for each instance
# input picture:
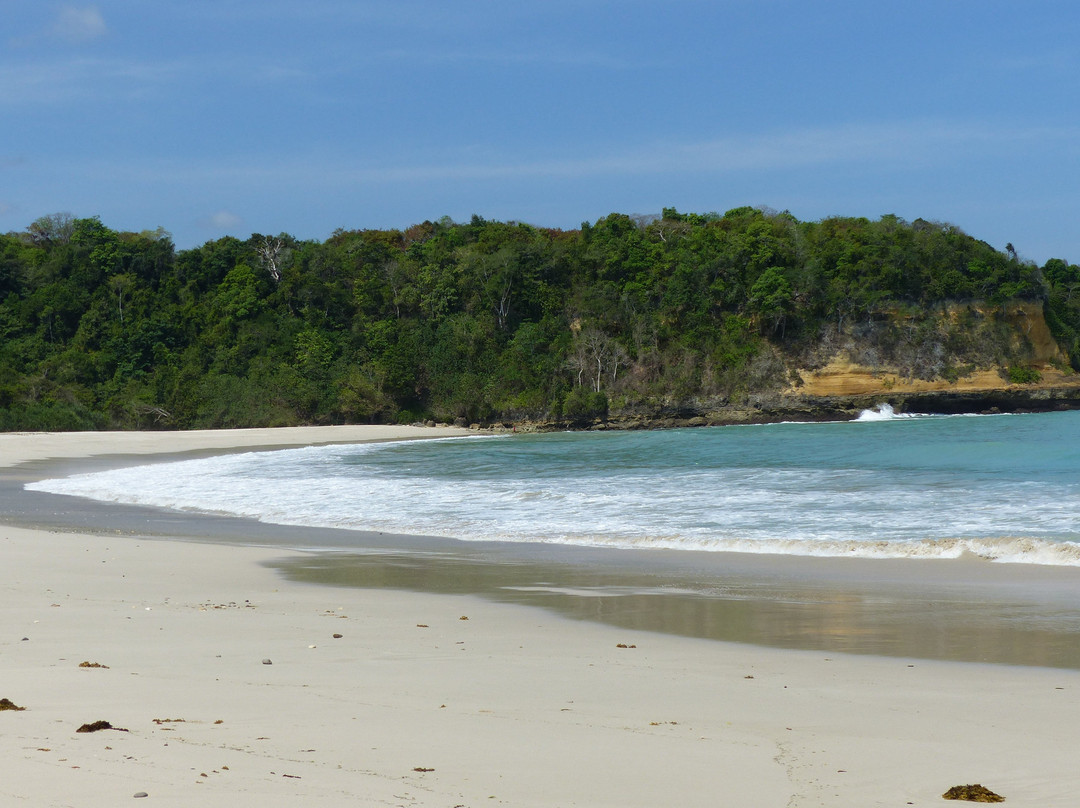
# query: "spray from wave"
(883, 412)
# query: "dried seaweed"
(972, 793)
(97, 726)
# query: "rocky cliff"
(964, 358)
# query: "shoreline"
(964, 610)
(798, 406)
(413, 705)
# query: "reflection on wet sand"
(986, 617)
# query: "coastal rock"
(267, 662)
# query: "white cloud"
(75, 24)
(222, 220)
(911, 145)
(556, 58)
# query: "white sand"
(513, 706)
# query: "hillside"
(749, 315)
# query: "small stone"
(337, 636)
(140, 794)
(267, 662)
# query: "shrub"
(1019, 374)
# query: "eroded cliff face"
(1023, 338)
(954, 360)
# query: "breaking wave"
(994, 488)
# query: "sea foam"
(893, 487)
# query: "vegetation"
(486, 320)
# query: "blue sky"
(232, 117)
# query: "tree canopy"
(477, 321)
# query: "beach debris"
(337, 636)
(230, 605)
(421, 769)
(8, 704)
(292, 776)
(170, 721)
(267, 661)
(463, 617)
(88, 664)
(97, 726)
(624, 645)
(972, 793)
(140, 794)
(422, 625)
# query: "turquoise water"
(1002, 487)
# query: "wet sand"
(517, 705)
(967, 610)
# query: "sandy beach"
(231, 685)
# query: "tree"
(598, 355)
(772, 299)
(272, 254)
(237, 297)
(51, 230)
(120, 284)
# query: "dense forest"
(490, 321)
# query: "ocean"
(999, 487)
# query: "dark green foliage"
(582, 404)
(1018, 374)
(488, 320)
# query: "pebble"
(267, 662)
(139, 794)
